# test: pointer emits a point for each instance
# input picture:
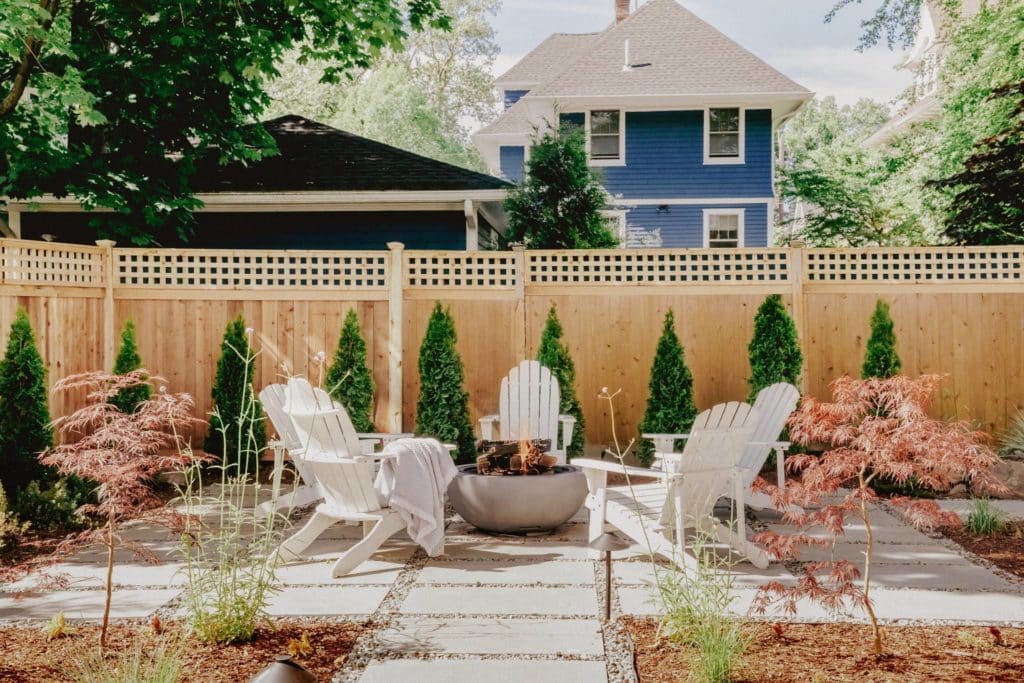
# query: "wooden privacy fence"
(957, 310)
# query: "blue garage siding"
(683, 225)
(512, 96)
(665, 158)
(513, 161)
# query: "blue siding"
(665, 158)
(513, 161)
(512, 96)
(683, 225)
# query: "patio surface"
(533, 603)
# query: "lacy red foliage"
(873, 428)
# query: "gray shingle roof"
(549, 58)
(515, 119)
(681, 54)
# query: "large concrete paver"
(126, 604)
(856, 534)
(642, 573)
(82, 575)
(484, 671)
(491, 636)
(326, 601)
(473, 600)
(930, 553)
(318, 571)
(518, 570)
(1011, 508)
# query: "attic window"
(605, 138)
(723, 137)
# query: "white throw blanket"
(414, 484)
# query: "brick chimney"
(621, 10)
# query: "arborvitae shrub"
(880, 358)
(774, 349)
(670, 406)
(442, 410)
(348, 379)
(237, 432)
(25, 428)
(128, 359)
(554, 355)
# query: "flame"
(524, 455)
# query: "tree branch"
(28, 58)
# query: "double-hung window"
(723, 228)
(605, 136)
(723, 135)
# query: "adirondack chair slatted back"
(273, 399)
(347, 485)
(322, 425)
(774, 404)
(716, 441)
(529, 402)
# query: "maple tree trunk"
(876, 629)
(110, 582)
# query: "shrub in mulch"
(1004, 548)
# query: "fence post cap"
(797, 244)
(517, 246)
(105, 243)
(395, 245)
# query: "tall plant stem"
(110, 581)
(867, 565)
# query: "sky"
(789, 34)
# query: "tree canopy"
(114, 102)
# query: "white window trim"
(621, 161)
(742, 158)
(740, 232)
(620, 216)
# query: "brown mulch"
(842, 652)
(26, 654)
(1005, 548)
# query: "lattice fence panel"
(306, 270)
(658, 267)
(483, 270)
(916, 265)
(25, 261)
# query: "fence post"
(108, 303)
(396, 276)
(797, 278)
(519, 250)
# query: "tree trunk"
(876, 629)
(110, 582)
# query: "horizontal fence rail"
(30, 262)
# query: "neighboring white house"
(924, 61)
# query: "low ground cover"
(1004, 547)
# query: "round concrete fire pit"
(518, 504)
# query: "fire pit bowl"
(518, 505)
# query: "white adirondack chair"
(684, 495)
(528, 409)
(342, 467)
(774, 405)
(308, 398)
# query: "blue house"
(679, 118)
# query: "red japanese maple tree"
(123, 453)
(874, 428)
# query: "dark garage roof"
(314, 157)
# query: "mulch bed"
(27, 655)
(841, 652)
(1005, 548)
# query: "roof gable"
(672, 52)
(314, 157)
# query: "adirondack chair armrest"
(383, 437)
(487, 423)
(665, 436)
(784, 445)
(589, 463)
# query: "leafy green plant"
(670, 406)
(146, 660)
(554, 355)
(10, 528)
(558, 205)
(53, 508)
(442, 410)
(128, 359)
(236, 433)
(983, 519)
(25, 429)
(774, 349)
(1012, 440)
(228, 545)
(348, 379)
(880, 358)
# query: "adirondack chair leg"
(597, 485)
(385, 528)
(780, 468)
(757, 555)
(291, 549)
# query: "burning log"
(514, 458)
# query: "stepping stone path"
(504, 608)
